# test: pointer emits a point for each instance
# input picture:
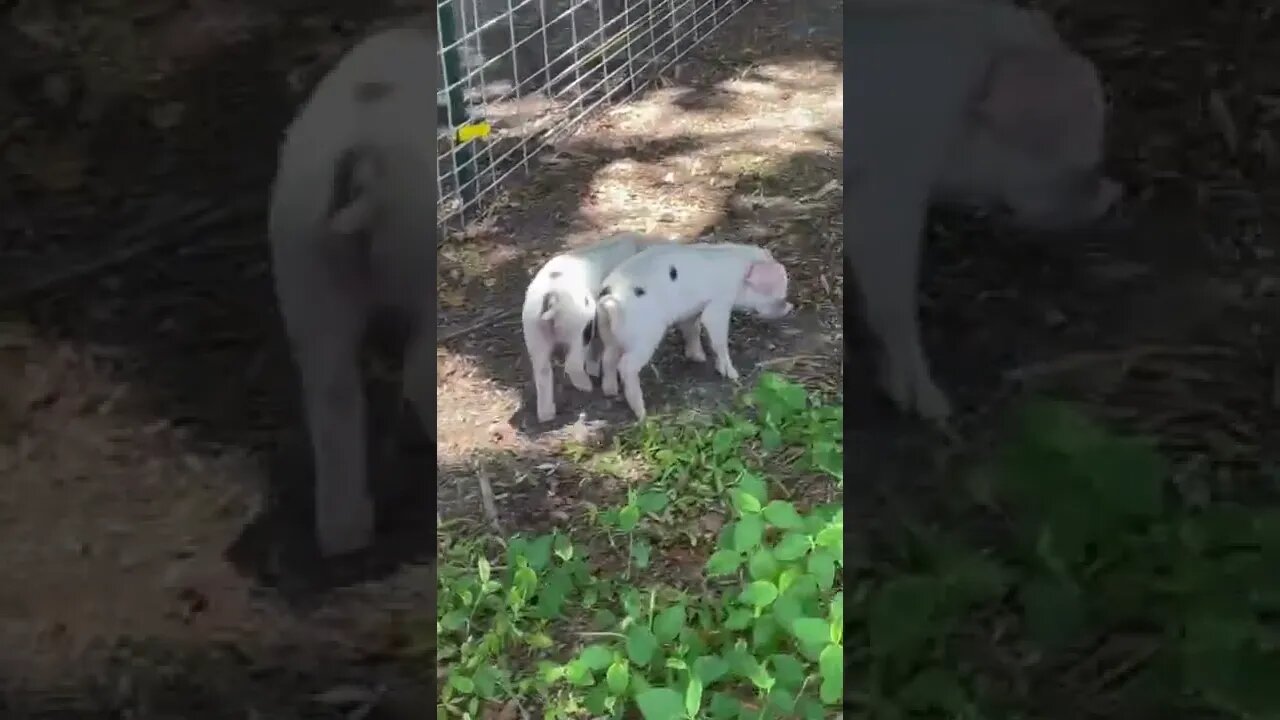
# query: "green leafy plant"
(762, 639)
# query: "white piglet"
(560, 311)
(691, 286)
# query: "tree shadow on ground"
(760, 201)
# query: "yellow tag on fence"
(470, 132)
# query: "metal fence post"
(462, 154)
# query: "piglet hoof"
(593, 367)
(695, 354)
(347, 532)
(727, 369)
(919, 395)
(546, 413)
(609, 386)
(581, 381)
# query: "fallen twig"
(486, 499)
(141, 239)
(1128, 356)
(489, 319)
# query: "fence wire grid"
(517, 75)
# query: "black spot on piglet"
(673, 272)
(639, 292)
(605, 290)
(546, 301)
(554, 274)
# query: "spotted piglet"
(691, 286)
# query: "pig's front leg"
(884, 246)
(629, 365)
(715, 317)
(609, 370)
(691, 330)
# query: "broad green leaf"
(723, 706)
(786, 609)
(745, 503)
(628, 517)
(597, 701)
(823, 568)
(762, 679)
(563, 548)
(538, 552)
(793, 546)
(617, 676)
(596, 657)
(900, 614)
(641, 644)
(1128, 476)
(710, 668)
(789, 671)
(1053, 611)
(814, 632)
(754, 485)
(763, 633)
(652, 502)
(486, 681)
(724, 562)
(738, 619)
(782, 514)
(747, 533)
(782, 700)
(668, 624)
(660, 704)
(462, 684)
(832, 690)
(933, 689)
(640, 552)
(832, 538)
(759, 594)
(578, 674)
(831, 662)
(693, 697)
(762, 565)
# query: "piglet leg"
(325, 327)
(691, 330)
(716, 319)
(884, 247)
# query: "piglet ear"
(767, 277)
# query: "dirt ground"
(743, 145)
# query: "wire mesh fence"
(520, 74)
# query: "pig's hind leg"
(540, 349)
(326, 324)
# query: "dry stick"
(486, 499)
(142, 239)
(1080, 360)
(468, 329)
